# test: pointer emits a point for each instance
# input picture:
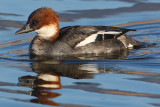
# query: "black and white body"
(73, 40)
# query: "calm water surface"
(131, 79)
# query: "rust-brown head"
(43, 21)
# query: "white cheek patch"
(48, 77)
(93, 37)
(55, 86)
(47, 31)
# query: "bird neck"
(49, 32)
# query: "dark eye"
(34, 23)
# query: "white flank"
(93, 37)
(47, 31)
(48, 77)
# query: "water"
(130, 80)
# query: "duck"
(73, 40)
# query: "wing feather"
(76, 36)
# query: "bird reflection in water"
(48, 79)
(48, 76)
(41, 84)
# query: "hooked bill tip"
(18, 32)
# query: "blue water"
(126, 81)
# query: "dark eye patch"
(34, 23)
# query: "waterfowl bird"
(73, 40)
